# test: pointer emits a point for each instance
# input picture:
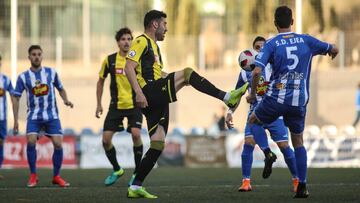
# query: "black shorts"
(159, 94)
(114, 119)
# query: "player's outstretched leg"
(57, 162)
(138, 151)
(110, 152)
(301, 165)
(189, 77)
(31, 157)
(261, 139)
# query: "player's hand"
(229, 121)
(250, 98)
(333, 52)
(68, 103)
(99, 111)
(141, 100)
(16, 128)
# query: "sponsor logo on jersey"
(40, 89)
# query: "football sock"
(138, 152)
(246, 160)
(203, 85)
(148, 162)
(31, 156)
(111, 155)
(289, 157)
(57, 159)
(1, 154)
(301, 165)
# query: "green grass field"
(183, 185)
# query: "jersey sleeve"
(20, 86)
(104, 71)
(137, 48)
(57, 82)
(318, 47)
(242, 79)
(9, 87)
(263, 57)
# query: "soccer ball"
(247, 59)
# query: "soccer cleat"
(140, 193)
(295, 183)
(131, 180)
(245, 187)
(57, 180)
(301, 191)
(33, 180)
(235, 95)
(269, 160)
(111, 179)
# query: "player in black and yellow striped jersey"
(122, 105)
(155, 89)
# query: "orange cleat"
(57, 180)
(295, 184)
(33, 180)
(245, 187)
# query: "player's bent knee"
(250, 141)
(282, 145)
(187, 74)
(158, 145)
(106, 144)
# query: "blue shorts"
(277, 129)
(268, 110)
(3, 129)
(51, 127)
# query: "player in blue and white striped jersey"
(5, 86)
(39, 83)
(277, 129)
(290, 55)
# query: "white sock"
(227, 97)
(135, 187)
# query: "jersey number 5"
(292, 56)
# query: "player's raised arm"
(256, 73)
(131, 75)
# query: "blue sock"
(246, 160)
(57, 160)
(260, 136)
(31, 156)
(289, 157)
(301, 163)
(1, 154)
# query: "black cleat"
(269, 160)
(301, 191)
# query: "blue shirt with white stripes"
(5, 86)
(290, 55)
(40, 89)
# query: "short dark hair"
(283, 16)
(122, 32)
(33, 47)
(257, 39)
(153, 15)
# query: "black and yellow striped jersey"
(122, 95)
(146, 53)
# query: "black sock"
(111, 155)
(146, 165)
(138, 152)
(204, 86)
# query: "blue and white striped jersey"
(41, 98)
(246, 76)
(5, 86)
(290, 55)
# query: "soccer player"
(155, 89)
(40, 82)
(277, 130)
(5, 86)
(290, 55)
(122, 105)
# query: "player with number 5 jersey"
(290, 55)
